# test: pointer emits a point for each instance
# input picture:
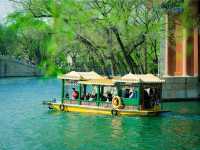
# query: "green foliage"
(109, 36)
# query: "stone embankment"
(10, 67)
(185, 88)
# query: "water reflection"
(183, 107)
(117, 129)
(26, 124)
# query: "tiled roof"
(73, 75)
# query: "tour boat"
(130, 95)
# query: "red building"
(181, 56)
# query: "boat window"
(151, 96)
(88, 92)
(129, 92)
(69, 86)
(108, 93)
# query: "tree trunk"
(129, 60)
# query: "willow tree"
(110, 36)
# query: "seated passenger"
(133, 94)
(157, 97)
(92, 97)
(103, 98)
(87, 96)
(109, 96)
(67, 96)
(147, 103)
(152, 97)
(127, 93)
(82, 97)
(74, 94)
(151, 93)
(95, 96)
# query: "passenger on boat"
(127, 93)
(147, 103)
(67, 96)
(87, 96)
(152, 97)
(74, 94)
(103, 98)
(109, 96)
(92, 97)
(82, 97)
(132, 94)
(157, 97)
(95, 96)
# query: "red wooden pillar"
(179, 39)
(171, 49)
(175, 46)
(196, 53)
(190, 52)
(182, 49)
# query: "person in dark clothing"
(109, 96)
(67, 96)
(127, 93)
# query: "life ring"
(117, 103)
(114, 112)
(62, 107)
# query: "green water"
(25, 124)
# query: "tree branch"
(94, 48)
(129, 60)
(134, 45)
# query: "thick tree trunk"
(129, 60)
(123, 68)
(145, 59)
(114, 64)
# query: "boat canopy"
(73, 75)
(140, 78)
(106, 82)
(96, 79)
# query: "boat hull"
(102, 110)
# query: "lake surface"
(26, 124)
